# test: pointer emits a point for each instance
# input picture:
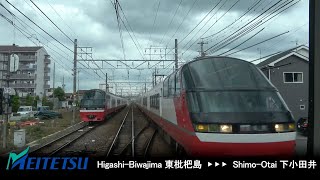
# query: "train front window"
(236, 101)
(94, 95)
(218, 73)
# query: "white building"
(32, 76)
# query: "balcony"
(47, 78)
(27, 67)
(22, 85)
(46, 69)
(22, 76)
(46, 86)
(47, 61)
(27, 59)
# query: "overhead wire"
(73, 32)
(51, 21)
(249, 27)
(174, 15)
(37, 26)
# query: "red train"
(96, 105)
(221, 106)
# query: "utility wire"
(61, 19)
(51, 21)
(184, 18)
(154, 21)
(174, 15)
(36, 25)
(257, 43)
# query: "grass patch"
(42, 129)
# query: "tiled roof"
(276, 57)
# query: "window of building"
(293, 77)
(302, 107)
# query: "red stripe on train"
(196, 148)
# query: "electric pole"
(5, 124)
(202, 53)
(74, 79)
(107, 82)
(176, 53)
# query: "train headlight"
(213, 128)
(226, 128)
(202, 127)
(284, 127)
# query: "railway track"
(135, 133)
(55, 146)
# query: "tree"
(29, 100)
(15, 103)
(44, 101)
(59, 93)
(35, 102)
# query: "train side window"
(113, 102)
(187, 81)
(165, 88)
(145, 101)
(178, 83)
(154, 101)
(171, 85)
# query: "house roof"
(274, 59)
(19, 48)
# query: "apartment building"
(33, 74)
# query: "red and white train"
(96, 105)
(221, 106)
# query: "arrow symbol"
(223, 164)
(216, 164)
(209, 164)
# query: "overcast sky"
(152, 23)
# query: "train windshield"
(93, 99)
(231, 90)
(225, 73)
(236, 101)
(94, 95)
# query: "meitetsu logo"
(21, 161)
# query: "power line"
(174, 15)
(243, 31)
(154, 21)
(19, 20)
(258, 43)
(131, 31)
(210, 26)
(181, 23)
(242, 42)
(36, 25)
(61, 18)
(206, 22)
(200, 22)
(23, 32)
(237, 20)
(51, 21)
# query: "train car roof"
(109, 93)
(194, 60)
